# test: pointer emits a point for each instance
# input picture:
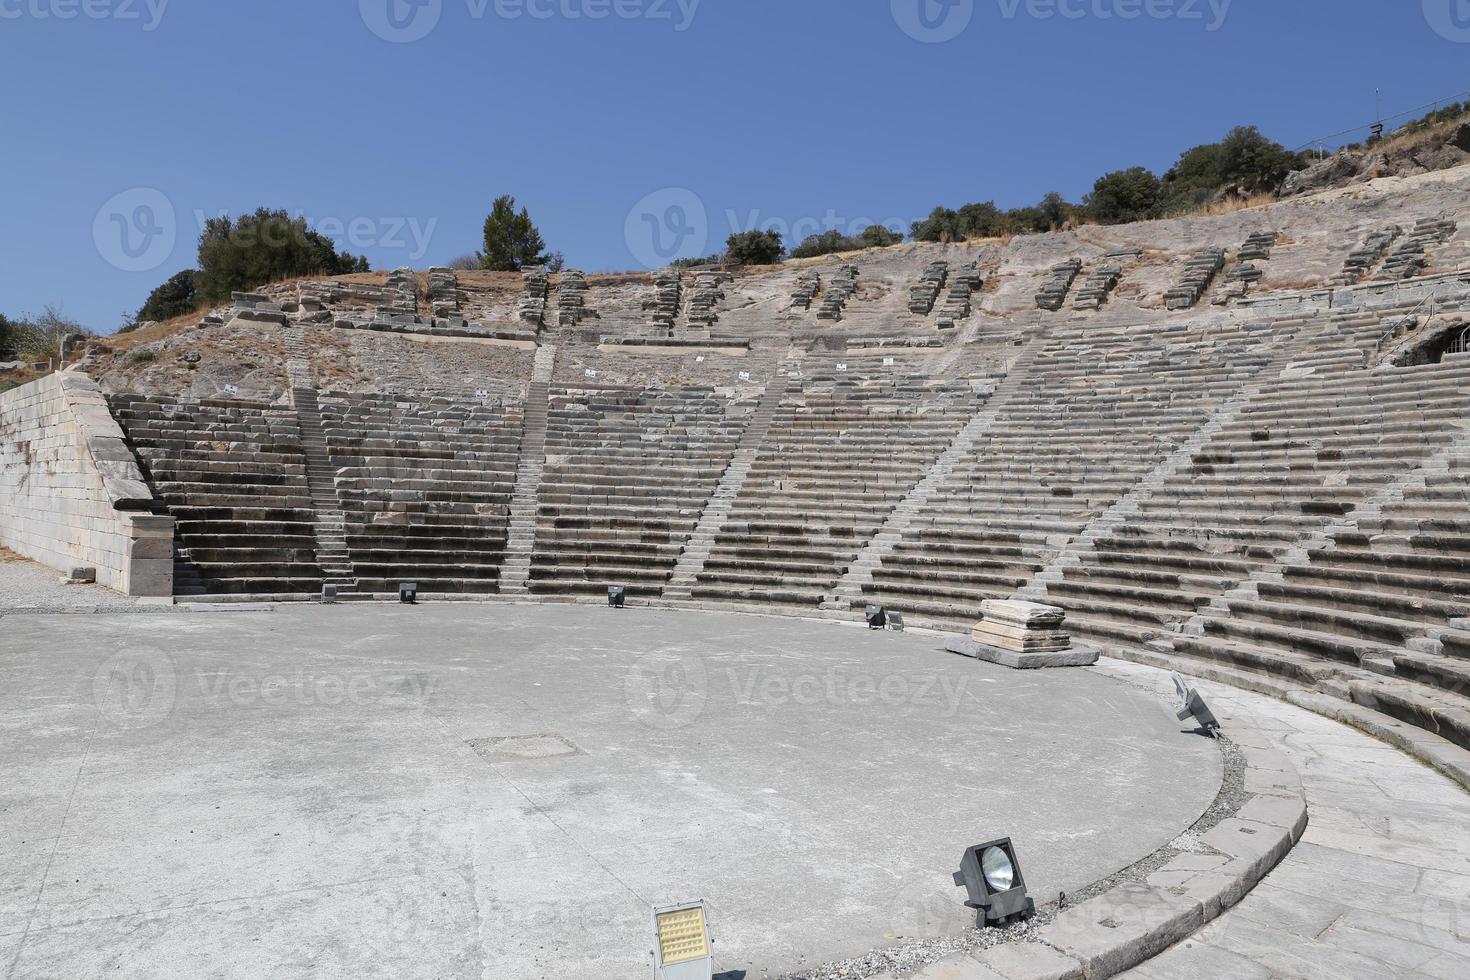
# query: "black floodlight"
(877, 618)
(992, 876)
(1196, 708)
(329, 594)
(408, 593)
(617, 596)
(895, 622)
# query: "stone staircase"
(1129, 507)
(697, 548)
(298, 357)
(849, 591)
(330, 527)
(515, 573)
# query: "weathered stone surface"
(1122, 927)
(1073, 657)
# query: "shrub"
(755, 247)
(716, 259)
(877, 236)
(827, 243)
(174, 298)
(143, 357)
(465, 263)
(36, 337)
(264, 247)
(1125, 195)
(511, 239)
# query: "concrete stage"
(501, 791)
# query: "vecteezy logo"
(933, 21)
(135, 230)
(1449, 18)
(135, 688)
(401, 21)
(667, 691)
(665, 225)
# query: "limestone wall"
(71, 493)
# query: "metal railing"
(1461, 343)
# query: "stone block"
(1030, 961)
(1074, 657)
(1123, 927)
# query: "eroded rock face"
(1434, 151)
(1320, 176)
(1460, 139)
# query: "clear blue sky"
(801, 111)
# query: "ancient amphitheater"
(1236, 447)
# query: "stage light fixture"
(1196, 708)
(992, 876)
(617, 596)
(408, 593)
(681, 943)
(895, 622)
(877, 618)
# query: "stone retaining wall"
(71, 493)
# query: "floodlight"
(877, 618)
(992, 876)
(408, 593)
(617, 595)
(329, 594)
(681, 943)
(895, 622)
(1196, 708)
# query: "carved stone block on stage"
(1022, 635)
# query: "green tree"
(7, 338)
(511, 238)
(1021, 221)
(942, 225)
(264, 247)
(759, 247)
(877, 236)
(176, 297)
(1055, 210)
(1253, 162)
(1125, 195)
(827, 243)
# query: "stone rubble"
(533, 302)
(1410, 258)
(1245, 273)
(1053, 292)
(924, 293)
(958, 301)
(706, 297)
(445, 296)
(571, 299)
(662, 310)
(1366, 256)
(1096, 288)
(807, 285)
(404, 289)
(1199, 272)
(843, 285)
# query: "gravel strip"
(28, 587)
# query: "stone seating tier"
(232, 474)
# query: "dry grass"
(158, 331)
(1233, 204)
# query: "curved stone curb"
(1135, 921)
(1434, 751)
